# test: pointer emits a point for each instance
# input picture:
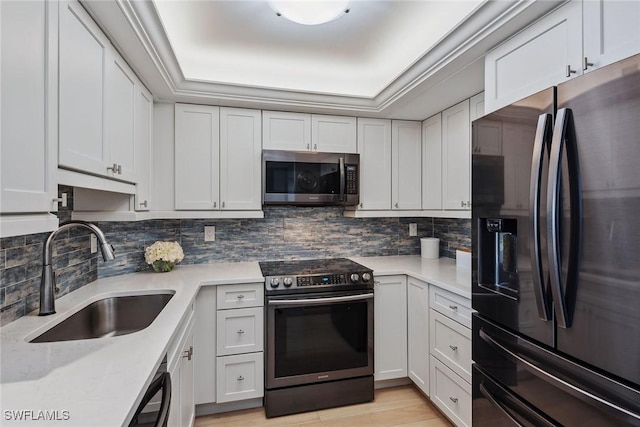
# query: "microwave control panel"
(351, 179)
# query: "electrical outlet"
(94, 243)
(413, 229)
(209, 233)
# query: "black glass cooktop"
(310, 267)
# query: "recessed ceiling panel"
(359, 54)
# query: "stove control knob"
(287, 281)
(354, 277)
(366, 277)
(275, 282)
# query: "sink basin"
(108, 317)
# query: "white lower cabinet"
(205, 340)
(239, 349)
(181, 369)
(390, 327)
(450, 349)
(240, 376)
(418, 333)
(450, 393)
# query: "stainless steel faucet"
(48, 282)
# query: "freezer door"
(602, 299)
(547, 383)
(510, 284)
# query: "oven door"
(315, 338)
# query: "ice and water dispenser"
(498, 255)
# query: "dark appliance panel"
(509, 286)
(601, 296)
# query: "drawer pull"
(453, 347)
(241, 378)
(240, 296)
(453, 307)
(240, 331)
(453, 399)
(188, 353)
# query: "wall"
(284, 233)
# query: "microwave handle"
(342, 178)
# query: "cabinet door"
(240, 377)
(390, 327)
(456, 156)
(486, 137)
(374, 147)
(333, 134)
(28, 83)
(286, 131)
(187, 402)
(611, 31)
(240, 159)
(82, 56)
(176, 405)
(418, 333)
(406, 180)
(120, 104)
(535, 58)
(432, 163)
(197, 157)
(204, 340)
(143, 134)
(240, 331)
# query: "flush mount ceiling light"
(310, 12)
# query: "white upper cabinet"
(456, 157)
(143, 136)
(545, 54)
(611, 31)
(374, 147)
(28, 83)
(286, 131)
(120, 97)
(432, 163)
(406, 166)
(217, 158)
(486, 137)
(83, 54)
(333, 134)
(240, 159)
(308, 132)
(197, 155)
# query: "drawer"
(451, 305)
(239, 377)
(450, 342)
(240, 331)
(240, 296)
(450, 393)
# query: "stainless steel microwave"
(310, 178)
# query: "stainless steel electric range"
(319, 334)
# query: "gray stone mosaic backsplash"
(284, 233)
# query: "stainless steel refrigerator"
(556, 255)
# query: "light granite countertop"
(99, 382)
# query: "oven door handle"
(320, 301)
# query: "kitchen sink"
(108, 317)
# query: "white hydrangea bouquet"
(162, 256)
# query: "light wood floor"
(398, 406)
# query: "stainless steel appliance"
(153, 410)
(319, 334)
(310, 178)
(556, 263)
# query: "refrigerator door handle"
(559, 382)
(564, 293)
(544, 133)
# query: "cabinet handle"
(315, 147)
(586, 64)
(453, 347)
(396, 205)
(361, 205)
(308, 146)
(240, 296)
(144, 204)
(188, 353)
(453, 399)
(115, 168)
(222, 204)
(570, 71)
(461, 204)
(240, 378)
(215, 204)
(453, 307)
(240, 331)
